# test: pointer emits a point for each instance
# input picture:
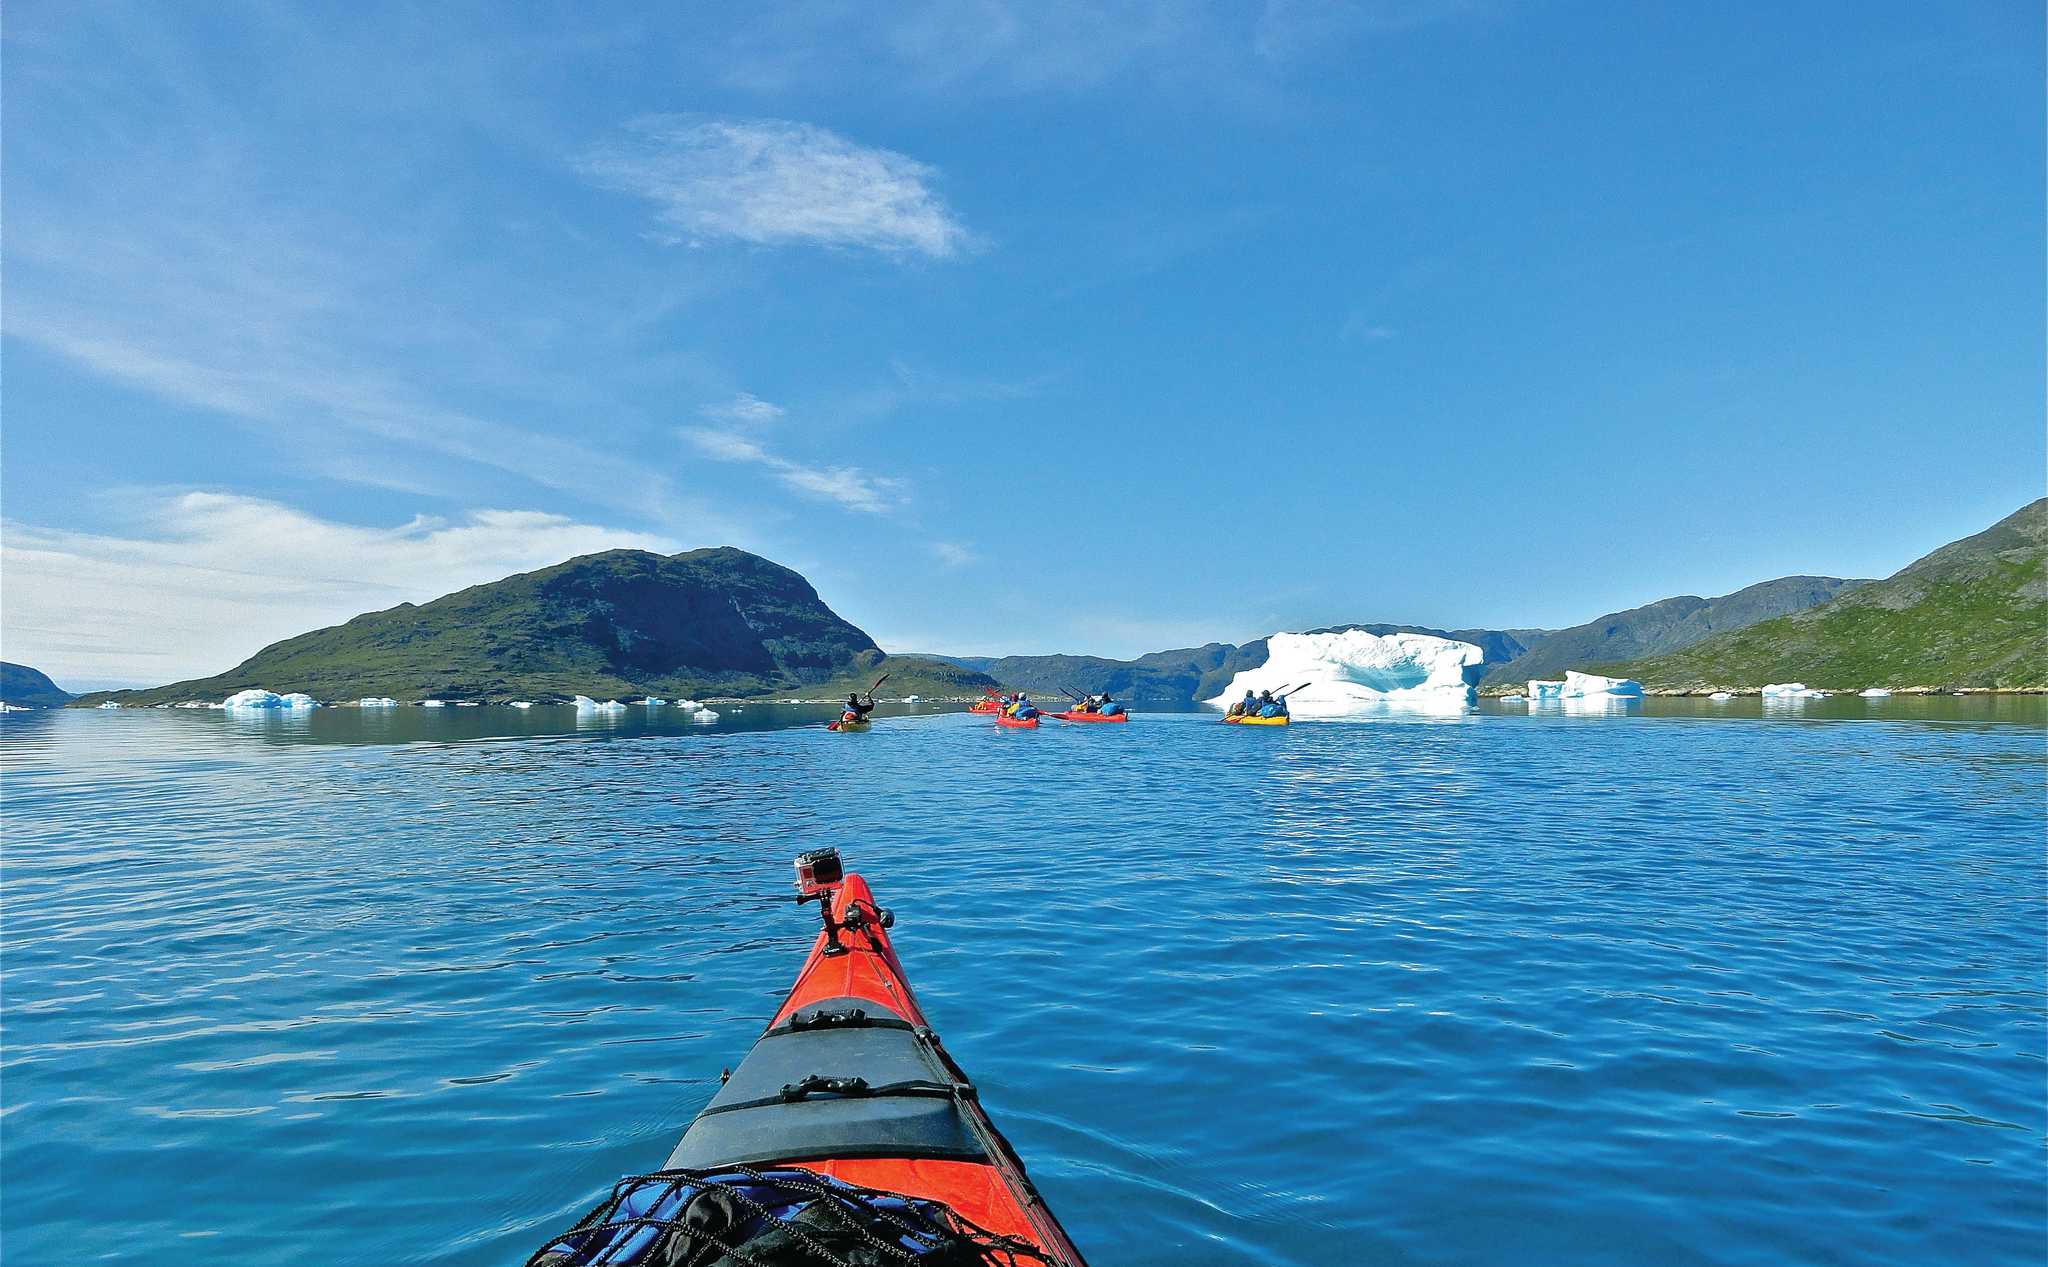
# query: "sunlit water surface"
(1696, 984)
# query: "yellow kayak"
(1256, 721)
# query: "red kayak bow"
(1074, 716)
(1022, 723)
(850, 1082)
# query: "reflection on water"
(1685, 982)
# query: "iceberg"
(1719, 696)
(584, 703)
(433, 703)
(521, 703)
(912, 699)
(257, 697)
(704, 715)
(1354, 670)
(107, 704)
(469, 703)
(1792, 690)
(376, 701)
(1545, 690)
(1513, 699)
(654, 701)
(1875, 692)
(688, 705)
(1583, 685)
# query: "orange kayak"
(984, 706)
(1072, 716)
(847, 1090)
(1022, 723)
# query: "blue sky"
(1032, 327)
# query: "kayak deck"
(1256, 721)
(1071, 715)
(848, 1080)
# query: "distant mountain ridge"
(621, 623)
(24, 687)
(1973, 613)
(1669, 624)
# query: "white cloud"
(772, 182)
(953, 554)
(746, 409)
(850, 486)
(207, 579)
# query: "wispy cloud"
(952, 553)
(850, 486)
(746, 415)
(773, 182)
(205, 579)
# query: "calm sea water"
(1700, 984)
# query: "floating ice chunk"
(433, 703)
(688, 705)
(1351, 671)
(257, 697)
(1792, 690)
(522, 703)
(654, 701)
(912, 699)
(108, 704)
(792, 701)
(376, 701)
(1875, 692)
(1512, 699)
(611, 706)
(1582, 685)
(469, 703)
(704, 715)
(1720, 696)
(1545, 690)
(584, 703)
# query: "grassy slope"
(1972, 614)
(613, 625)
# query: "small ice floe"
(792, 701)
(6, 707)
(469, 703)
(1792, 690)
(433, 703)
(1875, 692)
(912, 699)
(1586, 685)
(521, 703)
(1512, 699)
(376, 701)
(257, 697)
(584, 704)
(704, 715)
(655, 701)
(1539, 690)
(107, 704)
(1720, 697)
(194, 703)
(688, 705)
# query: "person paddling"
(857, 712)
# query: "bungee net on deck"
(742, 1217)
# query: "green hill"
(24, 687)
(613, 625)
(1670, 624)
(1972, 614)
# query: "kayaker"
(1270, 707)
(1249, 705)
(1107, 706)
(857, 711)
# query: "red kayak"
(1072, 716)
(847, 1095)
(984, 706)
(1022, 723)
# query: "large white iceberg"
(1540, 690)
(1585, 685)
(257, 697)
(704, 715)
(1349, 671)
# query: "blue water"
(1690, 985)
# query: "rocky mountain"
(24, 687)
(1669, 624)
(1972, 614)
(617, 624)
